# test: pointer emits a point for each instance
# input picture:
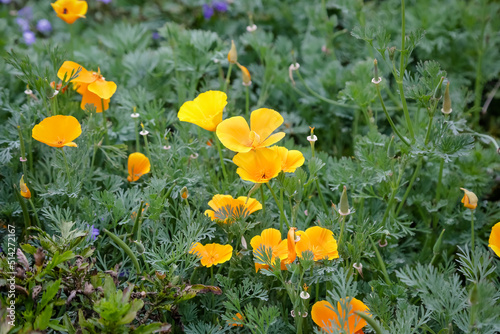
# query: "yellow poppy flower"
(269, 239)
(138, 165)
(70, 10)
(290, 160)
(235, 134)
(212, 254)
(319, 241)
(91, 85)
(25, 191)
(469, 199)
(323, 315)
(57, 131)
(227, 209)
(258, 166)
(494, 242)
(205, 110)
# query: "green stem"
(370, 321)
(263, 200)
(342, 226)
(389, 206)
(35, 213)
(322, 199)
(66, 164)
(381, 262)
(228, 77)
(472, 230)
(125, 248)
(278, 204)
(153, 166)
(393, 126)
(410, 185)
(247, 102)
(20, 199)
(435, 218)
(137, 144)
(219, 149)
(104, 125)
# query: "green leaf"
(49, 294)
(43, 319)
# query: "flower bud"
(25, 192)
(376, 79)
(292, 254)
(437, 246)
(247, 78)
(469, 199)
(447, 101)
(184, 193)
(140, 247)
(344, 203)
(232, 56)
(391, 51)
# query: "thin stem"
(342, 226)
(410, 185)
(104, 125)
(228, 77)
(137, 144)
(278, 204)
(322, 199)
(394, 128)
(429, 128)
(23, 152)
(381, 262)
(472, 230)
(247, 102)
(66, 164)
(35, 213)
(149, 154)
(438, 191)
(219, 149)
(263, 200)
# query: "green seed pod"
(344, 203)
(447, 100)
(437, 245)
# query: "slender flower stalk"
(23, 152)
(144, 133)
(280, 207)
(221, 157)
(263, 200)
(104, 125)
(472, 231)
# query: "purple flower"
(105, 1)
(5, 2)
(208, 11)
(94, 232)
(123, 273)
(29, 37)
(220, 6)
(26, 12)
(23, 23)
(156, 35)
(44, 26)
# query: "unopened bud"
(245, 74)
(232, 56)
(144, 132)
(470, 199)
(391, 51)
(439, 89)
(437, 246)
(140, 247)
(344, 203)
(376, 79)
(184, 193)
(447, 101)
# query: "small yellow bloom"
(269, 240)
(70, 10)
(57, 131)
(258, 166)
(227, 209)
(494, 242)
(245, 74)
(212, 254)
(25, 191)
(469, 199)
(235, 134)
(138, 165)
(319, 241)
(90, 84)
(205, 110)
(290, 160)
(324, 315)
(232, 56)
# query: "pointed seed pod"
(344, 203)
(232, 56)
(447, 101)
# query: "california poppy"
(245, 75)
(212, 254)
(70, 10)
(90, 84)
(269, 241)
(138, 165)
(258, 166)
(205, 110)
(25, 191)
(469, 199)
(290, 159)
(57, 131)
(235, 134)
(494, 242)
(324, 315)
(226, 209)
(319, 241)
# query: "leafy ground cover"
(249, 166)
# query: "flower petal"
(69, 68)
(57, 131)
(93, 99)
(264, 121)
(234, 134)
(494, 241)
(102, 88)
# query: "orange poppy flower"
(494, 242)
(138, 165)
(324, 316)
(227, 209)
(269, 239)
(236, 135)
(205, 110)
(258, 166)
(290, 160)
(70, 10)
(212, 254)
(57, 131)
(91, 85)
(319, 241)
(237, 321)
(25, 191)
(469, 199)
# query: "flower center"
(65, 11)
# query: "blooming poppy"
(319, 241)
(494, 242)
(237, 320)
(324, 315)
(469, 199)
(235, 134)
(212, 254)
(90, 84)
(57, 131)
(138, 165)
(226, 209)
(258, 166)
(205, 110)
(269, 240)
(25, 191)
(70, 10)
(290, 159)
